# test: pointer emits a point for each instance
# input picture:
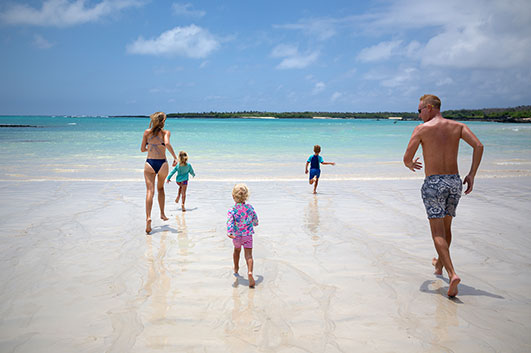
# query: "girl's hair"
(183, 157)
(240, 193)
(157, 122)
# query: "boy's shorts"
(441, 194)
(182, 182)
(246, 241)
(315, 172)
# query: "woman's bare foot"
(148, 225)
(452, 289)
(163, 217)
(438, 268)
(251, 280)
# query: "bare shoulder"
(166, 132)
(146, 132)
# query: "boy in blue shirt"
(315, 162)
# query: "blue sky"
(113, 57)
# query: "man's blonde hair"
(240, 193)
(317, 148)
(432, 100)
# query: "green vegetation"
(521, 114)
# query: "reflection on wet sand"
(312, 218)
(156, 290)
(243, 329)
(445, 316)
(182, 241)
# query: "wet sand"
(346, 270)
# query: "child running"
(183, 169)
(315, 169)
(240, 222)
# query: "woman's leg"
(149, 177)
(183, 196)
(161, 178)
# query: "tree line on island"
(513, 115)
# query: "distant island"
(520, 114)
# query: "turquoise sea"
(102, 148)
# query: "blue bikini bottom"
(155, 164)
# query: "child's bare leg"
(178, 195)
(236, 259)
(249, 260)
(183, 196)
(315, 185)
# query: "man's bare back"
(442, 187)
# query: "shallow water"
(96, 148)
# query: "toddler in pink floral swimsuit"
(240, 222)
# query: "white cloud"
(321, 29)
(469, 34)
(318, 88)
(336, 96)
(380, 51)
(191, 41)
(62, 13)
(292, 58)
(186, 10)
(41, 43)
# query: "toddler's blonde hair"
(183, 157)
(240, 193)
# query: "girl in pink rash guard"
(240, 222)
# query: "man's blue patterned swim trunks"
(441, 194)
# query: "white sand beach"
(346, 270)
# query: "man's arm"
(473, 141)
(411, 149)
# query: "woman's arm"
(143, 146)
(191, 170)
(167, 134)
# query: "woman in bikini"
(155, 142)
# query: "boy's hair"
(183, 157)
(240, 193)
(432, 100)
(317, 148)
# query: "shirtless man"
(442, 187)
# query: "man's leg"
(437, 226)
(448, 235)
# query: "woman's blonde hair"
(183, 157)
(240, 193)
(157, 122)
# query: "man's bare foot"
(177, 200)
(438, 270)
(315, 191)
(236, 269)
(452, 290)
(148, 226)
(251, 281)
(184, 209)
(163, 217)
